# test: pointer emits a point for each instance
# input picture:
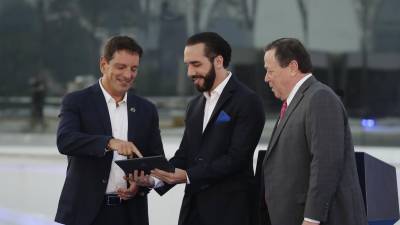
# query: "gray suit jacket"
(309, 169)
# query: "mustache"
(196, 77)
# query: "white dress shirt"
(288, 100)
(118, 112)
(296, 88)
(212, 99)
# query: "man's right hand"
(143, 180)
(124, 147)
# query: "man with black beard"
(209, 79)
(223, 127)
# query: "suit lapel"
(198, 115)
(104, 117)
(194, 122)
(133, 120)
(293, 105)
(102, 108)
(225, 95)
(273, 132)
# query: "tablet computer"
(145, 164)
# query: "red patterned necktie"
(283, 110)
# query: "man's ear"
(294, 67)
(219, 62)
(102, 64)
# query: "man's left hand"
(127, 193)
(179, 176)
(309, 223)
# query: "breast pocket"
(222, 126)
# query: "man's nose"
(130, 74)
(266, 78)
(190, 71)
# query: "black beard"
(209, 79)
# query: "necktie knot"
(283, 110)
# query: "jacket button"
(104, 181)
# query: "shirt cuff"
(187, 179)
(157, 182)
(107, 149)
(311, 220)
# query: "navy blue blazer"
(82, 135)
(219, 161)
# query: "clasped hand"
(131, 191)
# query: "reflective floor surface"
(32, 176)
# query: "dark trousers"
(113, 215)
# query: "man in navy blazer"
(223, 127)
(99, 125)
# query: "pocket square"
(223, 117)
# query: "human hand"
(130, 192)
(143, 180)
(124, 147)
(179, 176)
(309, 223)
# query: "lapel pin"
(132, 109)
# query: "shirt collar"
(108, 97)
(218, 90)
(296, 88)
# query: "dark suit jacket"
(82, 135)
(309, 169)
(219, 162)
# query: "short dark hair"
(288, 49)
(118, 43)
(214, 45)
